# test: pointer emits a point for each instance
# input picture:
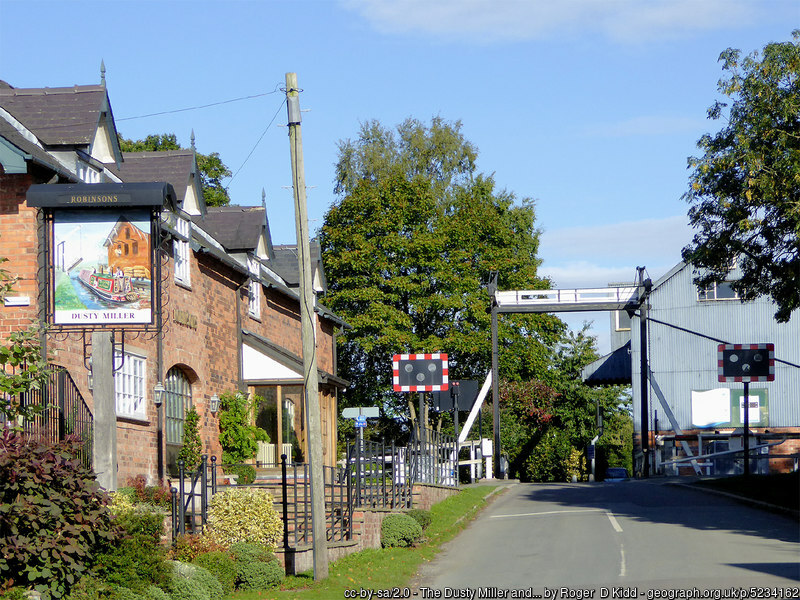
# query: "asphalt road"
(636, 539)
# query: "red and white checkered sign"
(745, 363)
(419, 372)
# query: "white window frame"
(130, 386)
(254, 289)
(182, 252)
(709, 293)
(619, 322)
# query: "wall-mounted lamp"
(91, 375)
(158, 394)
(213, 404)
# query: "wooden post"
(307, 320)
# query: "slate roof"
(38, 155)
(237, 228)
(171, 166)
(58, 116)
(286, 265)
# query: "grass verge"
(379, 569)
(780, 489)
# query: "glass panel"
(267, 411)
(292, 416)
(178, 400)
(725, 291)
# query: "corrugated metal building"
(685, 325)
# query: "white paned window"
(254, 289)
(130, 383)
(717, 291)
(182, 251)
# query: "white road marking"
(622, 566)
(614, 523)
(550, 512)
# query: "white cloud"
(514, 20)
(628, 243)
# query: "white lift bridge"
(574, 300)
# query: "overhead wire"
(177, 110)
(261, 137)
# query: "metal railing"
(723, 454)
(432, 457)
(62, 411)
(296, 504)
(378, 475)
(186, 518)
(374, 475)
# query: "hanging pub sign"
(101, 251)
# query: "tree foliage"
(745, 188)
(212, 169)
(546, 427)
(408, 248)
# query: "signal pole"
(307, 320)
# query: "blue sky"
(589, 107)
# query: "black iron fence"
(296, 504)
(379, 474)
(432, 458)
(374, 475)
(60, 411)
(190, 503)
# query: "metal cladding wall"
(681, 362)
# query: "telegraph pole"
(307, 320)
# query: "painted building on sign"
(689, 410)
(226, 315)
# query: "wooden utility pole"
(307, 321)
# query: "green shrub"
(207, 582)
(138, 559)
(191, 448)
(399, 529)
(259, 575)
(237, 435)
(186, 589)
(123, 593)
(189, 546)
(248, 552)
(245, 474)
(221, 565)
(423, 517)
(16, 593)
(52, 514)
(90, 588)
(244, 515)
(141, 493)
(155, 593)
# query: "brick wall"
(199, 334)
(18, 244)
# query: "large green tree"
(212, 169)
(408, 248)
(745, 188)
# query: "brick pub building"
(229, 300)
